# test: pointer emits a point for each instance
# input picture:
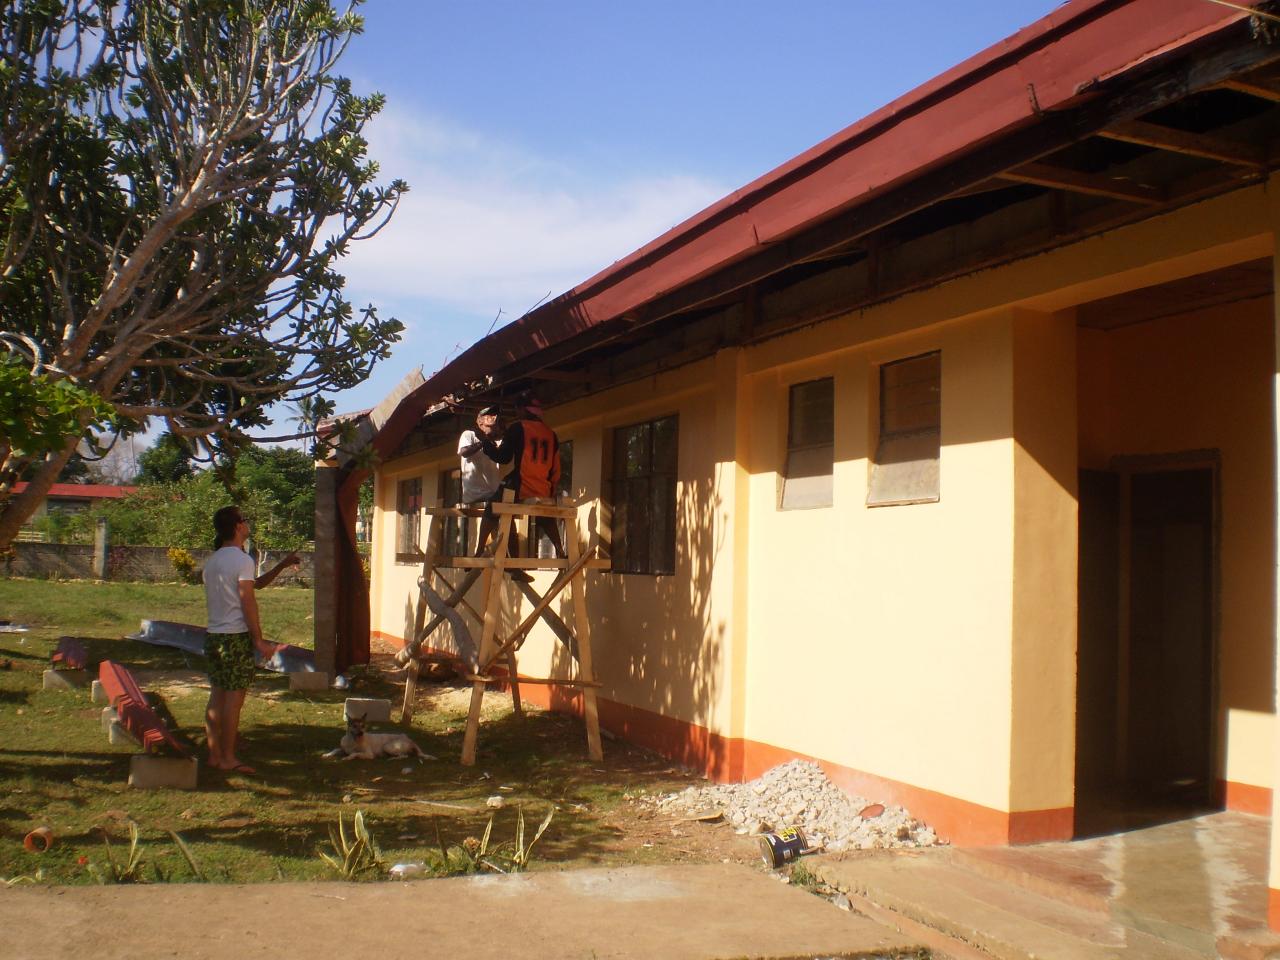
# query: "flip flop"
(243, 768)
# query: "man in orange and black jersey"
(534, 448)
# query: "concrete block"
(370, 708)
(119, 736)
(147, 772)
(65, 679)
(308, 680)
(109, 716)
(96, 693)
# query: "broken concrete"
(369, 709)
(65, 679)
(148, 772)
(96, 693)
(307, 680)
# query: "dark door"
(1098, 646)
(1169, 745)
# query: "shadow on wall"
(655, 647)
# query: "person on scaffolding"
(534, 448)
(481, 476)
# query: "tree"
(178, 181)
(168, 460)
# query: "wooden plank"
(1091, 184)
(1254, 88)
(526, 625)
(541, 681)
(1181, 141)
(518, 563)
(493, 581)
(552, 620)
(453, 512)
(410, 691)
(536, 510)
(590, 713)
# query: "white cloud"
(487, 225)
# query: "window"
(806, 480)
(644, 497)
(906, 464)
(457, 530)
(408, 519)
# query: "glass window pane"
(636, 442)
(812, 413)
(664, 445)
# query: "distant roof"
(83, 491)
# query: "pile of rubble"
(798, 794)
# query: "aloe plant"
(354, 857)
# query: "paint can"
(782, 847)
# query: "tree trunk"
(20, 508)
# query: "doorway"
(1146, 656)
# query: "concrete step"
(982, 916)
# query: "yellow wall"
(931, 644)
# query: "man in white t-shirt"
(234, 632)
(481, 476)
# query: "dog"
(358, 745)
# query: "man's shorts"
(230, 657)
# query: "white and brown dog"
(356, 744)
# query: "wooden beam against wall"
(1181, 141)
(1254, 88)
(1075, 181)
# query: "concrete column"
(101, 544)
(731, 525)
(325, 611)
(1273, 882)
(1045, 603)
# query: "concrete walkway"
(1190, 890)
(672, 912)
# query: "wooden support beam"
(1254, 88)
(520, 632)
(544, 681)
(517, 563)
(1076, 181)
(560, 376)
(1181, 141)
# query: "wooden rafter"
(1181, 141)
(1076, 181)
(1254, 88)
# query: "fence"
(75, 561)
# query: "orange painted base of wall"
(733, 760)
(1243, 797)
(1273, 909)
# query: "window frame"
(794, 448)
(620, 547)
(903, 436)
(408, 521)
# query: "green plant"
(127, 871)
(37, 877)
(802, 876)
(188, 856)
(184, 563)
(511, 856)
(354, 857)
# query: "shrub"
(184, 563)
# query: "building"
(944, 454)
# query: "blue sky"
(543, 141)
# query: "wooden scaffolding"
(446, 600)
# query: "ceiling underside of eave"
(1206, 125)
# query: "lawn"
(57, 768)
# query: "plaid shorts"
(230, 658)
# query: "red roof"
(1054, 62)
(83, 491)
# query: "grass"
(57, 768)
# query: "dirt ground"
(637, 827)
